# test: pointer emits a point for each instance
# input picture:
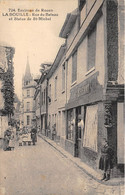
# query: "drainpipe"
(66, 113)
(47, 104)
(66, 78)
(40, 105)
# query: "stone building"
(57, 96)
(28, 104)
(86, 82)
(37, 104)
(41, 99)
(95, 84)
(6, 86)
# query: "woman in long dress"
(106, 160)
(12, 140)
(7, 135)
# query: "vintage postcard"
(62, 110)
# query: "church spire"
(27, 75)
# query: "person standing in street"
(7, 135)
(106, 160)
(33, 134)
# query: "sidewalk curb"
(121, 183)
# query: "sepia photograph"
(62, 109)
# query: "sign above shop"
(89, 85)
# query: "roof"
(68, 24)
(57, 60)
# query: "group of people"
(28, 135)
(11, 135)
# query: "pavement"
(47, 169)
(94, 174)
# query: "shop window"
(71, 123)
(79, 122)
(63, 77)
(90, 134)
(74, 67)
(91, 48)
(28, 120)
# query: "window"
(91, 48)
(44, 96)
(55, 87)
(78, 122)
(49, 124)
(28, 93)
(27, 82)
(63, 77)
(74, 67)
(49, 94)
(38, 102)
(28, 120)
(28, 106)
(91, 126)
(71, 124)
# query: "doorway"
(78, 132)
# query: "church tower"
(28, 88)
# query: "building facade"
(37, 104)
(28, 104)
(86, 82)
(41, 99)
(57, 97)
(95, 84)
(6, 87)
(41, 103)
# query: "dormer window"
(82, 9)
(81, 5)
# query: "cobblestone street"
(42, 170)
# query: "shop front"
(90, 119)
(85, 120)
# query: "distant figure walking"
(7, 136)
(12, 140)
(106, 160)
(33, 134)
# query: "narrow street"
(41, 170)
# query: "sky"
(37, 39)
